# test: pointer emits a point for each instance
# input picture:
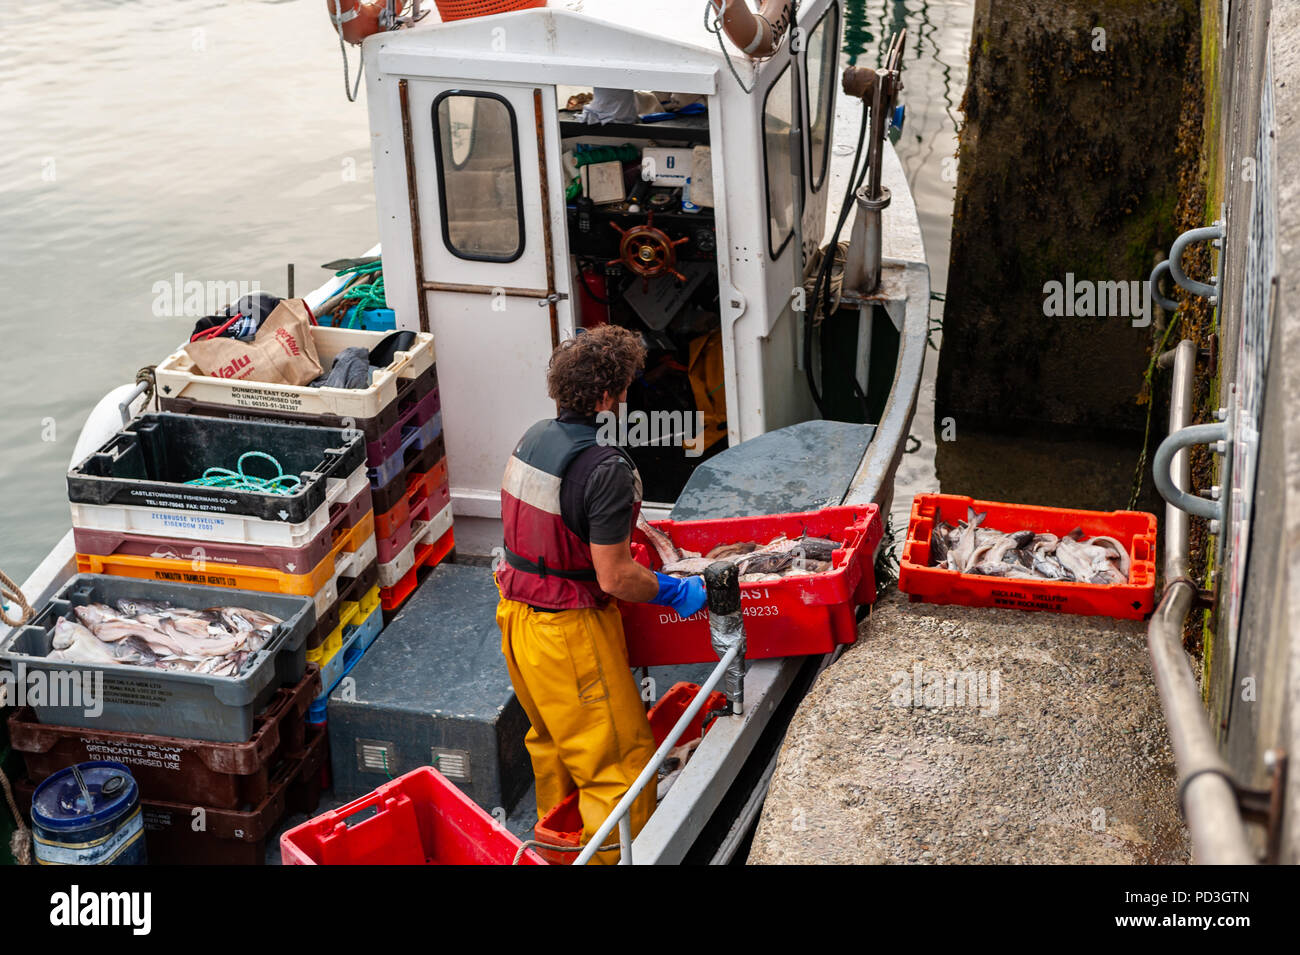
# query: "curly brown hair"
(585, 367)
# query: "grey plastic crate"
(163, 702)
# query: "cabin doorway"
(643, 253)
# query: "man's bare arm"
(621, 576)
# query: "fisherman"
(568, 506)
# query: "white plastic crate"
(226, 528)
(177, 377)
(423, 532)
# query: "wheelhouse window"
(820, 64)
(778, 160)
(479, 189)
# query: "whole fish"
(661, 542)
(964, 548)
(1119, 552)
(939, 546)
(806, 568)
(779, 545)
(191, 626)
(686, 566)
(723, 551)
(140, 651)
(76, 643)
(241, 615)
(1003, 568)
(109, 626)
(131, 607)
(1072, 557)
(765, 563)
(816, 548)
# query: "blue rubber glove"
(686, 595)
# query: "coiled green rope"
(237, 480)
(363, 296)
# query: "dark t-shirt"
(597, 494)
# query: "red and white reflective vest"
(547, 564)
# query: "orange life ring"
(358, 19)
(757, 34)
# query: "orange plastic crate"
(1136, 530)
(241, 576)
(464, 9)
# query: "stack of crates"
(412, 496)
(233, 750)
(399, 418)
(134, 515)
(245, 790)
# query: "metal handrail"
(619, 816)
(1204, 234)
(1205, 788)
(1177, 444)
(124, 406)
(1168, 304)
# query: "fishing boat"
(755, 168)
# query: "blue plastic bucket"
(89, 814)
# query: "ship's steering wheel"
(648, 251)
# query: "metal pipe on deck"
(1206, 793)
(878, 90)
(651, 770)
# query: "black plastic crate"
(148, 462)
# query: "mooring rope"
(836, 281)
(146, 376)
(20, 841)
(10, 592)
(348, 88)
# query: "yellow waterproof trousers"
(589, 728)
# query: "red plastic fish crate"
(562, 826)
(417, 819)
(1136, 530)
(790, 617)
